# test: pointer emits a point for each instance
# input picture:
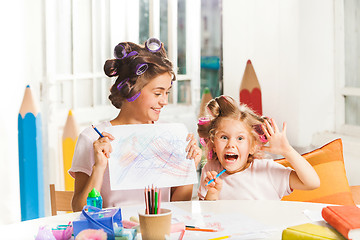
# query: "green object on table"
(156, 203)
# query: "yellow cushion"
(334, 187)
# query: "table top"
(273, 216)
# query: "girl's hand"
(213, 188)
(102, 150)
(193, 150)
(277, 140)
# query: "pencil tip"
(249, 62)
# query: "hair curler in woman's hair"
(153, 44)
(133, 98)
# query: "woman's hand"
(277, 140)
(193, 150)
(102, 150)
(214, 187)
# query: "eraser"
(129, 224)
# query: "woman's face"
(232, 144)
(153, 97)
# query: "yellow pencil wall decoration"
(70, 135)
(206, 97)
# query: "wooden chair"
(60, 200)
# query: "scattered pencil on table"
(152, 200)
(97, 131)
(192, 228)
(218, 175)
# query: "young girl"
(144, 78)
(235, 137)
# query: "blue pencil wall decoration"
(30, 159)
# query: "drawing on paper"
(150, 154)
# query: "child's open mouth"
(231, 157)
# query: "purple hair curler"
(133, 98)
(119, 51)
(133, 53)
(153, 44)
(122, 83)
(141, 68)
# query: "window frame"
(341, 91)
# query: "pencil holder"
(155, 226)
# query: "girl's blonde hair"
(226, 107)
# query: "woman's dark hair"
(128, 83)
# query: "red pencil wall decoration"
(250, 91)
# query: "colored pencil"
(219, 238)
(200, 229)
(31, 174)
(149, 200)
(159, 199)
(182, 234)
(146, 202)
(218, 175)
(152, 200)
(156, 202)
(224, 237)
(69, 138)
(97, 131)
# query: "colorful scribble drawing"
(150, 154)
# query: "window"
(347, 44)
(211, 46)
(77, 37)
(81, 35)
(169, 21)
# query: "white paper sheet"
(146, 154)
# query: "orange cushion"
(334, 187)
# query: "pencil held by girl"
(235, 139)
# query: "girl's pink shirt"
(264, 179)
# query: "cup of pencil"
(155, 222)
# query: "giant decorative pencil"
(250, 91)
(69, 138)
(30, 159)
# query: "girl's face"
(153, 97)
(232, 144)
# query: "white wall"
(291, 46)
(20, 64)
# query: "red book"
(345, 219)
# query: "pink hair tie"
(263, 138)
(203, 120)
(202, 142)
(210, 154)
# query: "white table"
(277, 214)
